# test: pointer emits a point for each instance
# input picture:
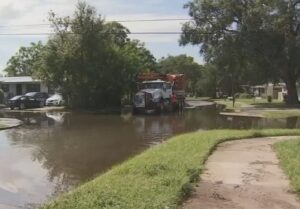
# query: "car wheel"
(41, 104)
(12, 108)
(22, 106)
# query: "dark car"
(23, 102)
(40, 96)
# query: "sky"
(16, 15)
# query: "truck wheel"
(169, 107)
(160, 108)
(135, 111)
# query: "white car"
(55, 100)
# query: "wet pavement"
(53, 152)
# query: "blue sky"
(16, 12)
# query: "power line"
(155, 20)
(137, 20)
(46, 34)
(27, 25)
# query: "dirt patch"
(244, 174)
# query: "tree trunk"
(292, 94)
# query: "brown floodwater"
(54, 152)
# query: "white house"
(276, 91)
(13, 86)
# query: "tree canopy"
(182, 64)
(251, 37)
(21, 64)
(91, 60)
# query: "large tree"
(93, 61)
(260, 35)
(21, 64)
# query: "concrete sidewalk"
(244, 174)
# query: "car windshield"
(152, 85)
(16, 98)
(31, 94)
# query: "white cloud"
(27, 12)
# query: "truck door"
(164, 91)
(169, 90)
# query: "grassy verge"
(289, 155)
(282, 113)
(2, 125)
(159, 178)
(229, 105)
(276, 109)
(198, 98)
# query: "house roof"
(20, 79)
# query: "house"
(276, 91)
(13, 86)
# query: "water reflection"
(55, 151)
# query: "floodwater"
(54, 152)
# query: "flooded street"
(53, 152)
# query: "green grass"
(276, 109)
(229, 105)
(198, 98)
(2, 126)
(274, 104)
(282, 113)
(258, 103)
(289, 155)
(159, 178)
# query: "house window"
(33, 87)
(5, 87)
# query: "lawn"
(282, 113)
(259, 103)
(198, 98)
(159, 178)
(289, 155)
(229, 105)
(276, 109)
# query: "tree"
(185, 65)
(207, 84)
(21, 64)
(136, 59)
(263, 34)
(92, 61)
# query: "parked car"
(40, 96)
(55, 99)
(23, 102)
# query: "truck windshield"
(152, 85)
